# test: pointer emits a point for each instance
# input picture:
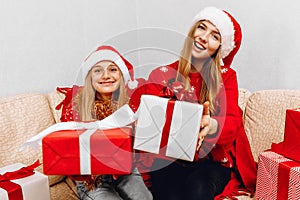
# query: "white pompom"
(132, 84)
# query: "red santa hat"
(229, 28)
(110, 53)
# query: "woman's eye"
(201, 27)
(216, 36)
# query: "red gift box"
(74, 152)
(277, 177)
(291, 143)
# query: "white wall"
(42, 43)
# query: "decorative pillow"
(265, 117)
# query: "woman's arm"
(222, 127)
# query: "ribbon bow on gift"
(175, 90)
(21, 173)
(5, 180)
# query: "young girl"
(225, 166)
(107, 77)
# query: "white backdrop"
(42, 43)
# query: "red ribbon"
(175, 92)
(284, 177)
(166, 128)
(14, 190)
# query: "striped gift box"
(277, 178)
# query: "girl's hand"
(115, 177)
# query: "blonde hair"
(85, 99)
(210, 72)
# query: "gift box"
(168, 127)
(291, 143)
(278, 177)
(86, 152)
(20, 183)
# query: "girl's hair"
(210, 72)
(86, 97)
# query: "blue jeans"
(126, 187)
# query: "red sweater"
(230, 146)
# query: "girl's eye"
(113, 69)
(98, 70)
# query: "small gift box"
(18, 182)
(168, 127)
(277, 177)
(291, 143)
(86, 152)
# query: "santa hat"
(111, 54)
(229, 28)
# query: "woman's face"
(106, 78)
(207, 40)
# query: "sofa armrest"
(264, 117)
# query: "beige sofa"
(23, 116)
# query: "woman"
(107, 77)
(224, 165)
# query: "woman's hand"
(204, 125)
(208, 125)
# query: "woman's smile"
(199, 46)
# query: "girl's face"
(106, 78)
(207, 40)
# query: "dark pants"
(188, 181)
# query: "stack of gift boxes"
(279, 168)
(164, 126)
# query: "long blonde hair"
(210, 72)
(86, 97)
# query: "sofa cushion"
(54, 99)
(244, 95)
(64, 190)
(21, 117)
(264, 117)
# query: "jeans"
(200, 180)
(126, 187)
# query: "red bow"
(21, 173)
(175, 90)
(14, 190)
(69, 93)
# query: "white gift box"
(34, 187)
(183, 131)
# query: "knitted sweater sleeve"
(229, 115)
